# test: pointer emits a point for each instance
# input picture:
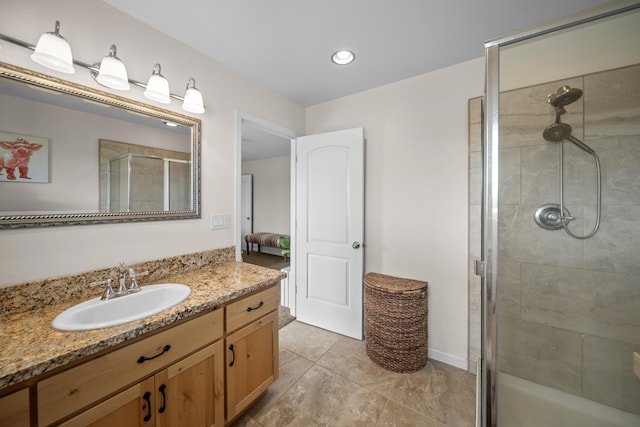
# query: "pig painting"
(21, 151)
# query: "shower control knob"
(355, 245)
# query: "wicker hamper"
(395, 322)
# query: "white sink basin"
(96, 313)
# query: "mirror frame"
(55, 84)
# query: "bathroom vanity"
(200, 363)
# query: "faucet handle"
(108, 291)
(133, 287)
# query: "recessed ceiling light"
(343, 57)
(171, 124)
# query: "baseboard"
(449, 359)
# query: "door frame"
(281, 131)
(243, 199)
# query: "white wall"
(91, 27)
(271, 194)
(416, 198)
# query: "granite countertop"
(29, 346)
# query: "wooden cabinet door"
(14, 409)
(133, 407)
(251, 362)
(191, 392)
(80, 387)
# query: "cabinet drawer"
(71, 390)
(252, 307)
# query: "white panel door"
(246, 207)
(330, 230)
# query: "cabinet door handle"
(143, 359)
(161, 389)
(233, 354)
(250, 309)
(147, 397)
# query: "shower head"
(564, 96)
(556, 132)
(560, 131)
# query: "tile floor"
(327, 380)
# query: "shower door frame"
(490, 182)
(166, 178)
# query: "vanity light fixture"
(343, 57)
(158, 87)
(193, 98)
(53, 51)
(112, 72)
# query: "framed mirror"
(72, 155)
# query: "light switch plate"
(220, 221)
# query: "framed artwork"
(23, 158)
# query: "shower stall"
(143, 183)
(559, 309)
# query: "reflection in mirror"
(135, 178)
(58, 144)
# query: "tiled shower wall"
(147, 178)
(569, 310)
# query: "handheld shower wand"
(560, 132)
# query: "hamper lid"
(393, 284)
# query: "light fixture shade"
(193, 98)
(53, 51)
(113, 73)
(158, 87)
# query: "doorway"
(264, 151)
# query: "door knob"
(355, 245)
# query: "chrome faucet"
(120, 274)
(122, 280)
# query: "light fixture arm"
(156, 70)
(113, 51)
(56, 30)
(93, 69)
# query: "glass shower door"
(562, 227)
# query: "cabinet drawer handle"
(161, 389)
(147, 397)
(250, 309)
(143, 359)
(233, 354)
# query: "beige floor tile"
(345, 388)
(307, 341)
(396, 415)
(439, 391)
(324, 398)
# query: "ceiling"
(286, 44)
